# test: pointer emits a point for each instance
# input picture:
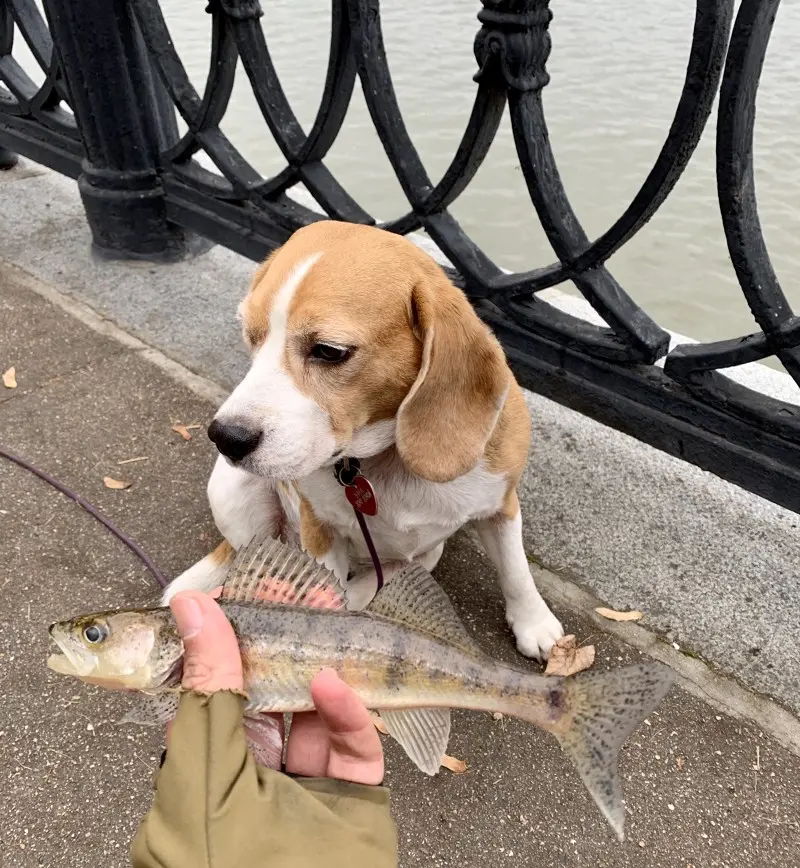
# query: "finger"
(355, 747)
(211, 652)
(308, 746)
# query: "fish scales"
(389, 666)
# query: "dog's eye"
(330, 353)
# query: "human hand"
(338, 740)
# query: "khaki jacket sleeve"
(215, 808)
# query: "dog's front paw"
(359, 591)
(191, 580)
(536, 630)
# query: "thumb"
(355, 747)
(211, 659)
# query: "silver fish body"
(407, 656)
(390, 666)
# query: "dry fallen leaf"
(680, 762)
(116, 483)
(184, 430)
(456, 766)
(612, 615)
(567, 659)
(379, 725)
(10, 378)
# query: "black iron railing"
(115, 66)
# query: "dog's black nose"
(233, 441)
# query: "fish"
(407, 655)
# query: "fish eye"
(330, 354)
(95, 633)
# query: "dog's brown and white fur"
(424, 398)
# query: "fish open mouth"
(61, 664)
(66, 662)
(62, 660)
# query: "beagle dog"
(362, 348)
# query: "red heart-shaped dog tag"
(361, 496)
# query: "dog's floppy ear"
(251, 333)
(449, 413)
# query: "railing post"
(8, 159)
(124, 122)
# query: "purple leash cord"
(93, 511)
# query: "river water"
(616, 74)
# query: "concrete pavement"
(703, 788)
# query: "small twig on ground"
(147, 765)
(62, 755)
(775, 821)
(44, 524)
(64, 707)
(756, 769)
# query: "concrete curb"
(694, 675)
(201, 386)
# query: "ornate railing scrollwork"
(516, 36)
(688, 407)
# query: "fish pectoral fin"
(153, 709)
(423, 734)
(265, 739)
(415, 599)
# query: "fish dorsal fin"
(423, 734)
(414, 598)
(270, 571)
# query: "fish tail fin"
(602, 710)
